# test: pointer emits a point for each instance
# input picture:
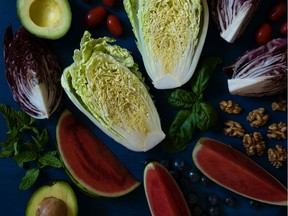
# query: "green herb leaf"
(206, 115)
(203, 73)
(29, 179)
(181, 98)
(25, 156)
(50, 160)
(180, 132)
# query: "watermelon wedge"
(236, 172)
(88, 162)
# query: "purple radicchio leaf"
(261, 71)
(232, 16)
(32, 72)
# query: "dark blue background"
(13, 201)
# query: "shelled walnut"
(277, 156)
(233, 128)
(258, 117)
(279, 106)
(277, 131)
(254, 144)
(230, 107)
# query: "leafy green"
(26, 144)
(105, 83)
(170, 36)
(194, 111)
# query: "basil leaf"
(50, 160)
(203, 73)
(181, 98)
(206, 115)
(180, 132)
(29, 179)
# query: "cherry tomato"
(263, 33)
(109, 3)
(114, 25)
(283, 28)
(277, 11)
(95, 16)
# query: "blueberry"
(214, 211)
(254, 204)
(197, 210)
(204, 180)
(230, 201)
(213, 199)
(179, 164)
(174, 173)
(192, 198)
(194, 176)
(166, 163)
(184, 181)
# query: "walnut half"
(277, 156)
(258, 117)
(230, 107)
(277, 131)
(233, 128)
(254, 144)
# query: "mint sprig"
(26, 144)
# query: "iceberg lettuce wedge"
(170, 36)
(105, 84)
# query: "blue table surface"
(13, 201)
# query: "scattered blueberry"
(204, 180)
(254, 204)
(214, 211)
(192, 198)
(194, 176)
(230, 201)
(196, 210)
(213, 199)
(184, 181)
(174, 173)
(166, 163)
(179, 165)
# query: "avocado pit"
(52, 206)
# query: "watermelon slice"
(163, 193)
(236, 172)
(88, 162)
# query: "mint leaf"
(29, 179)
(50, 160)
(25, 156)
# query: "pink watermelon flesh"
(162, 192)
(235, 171)
(89, 161)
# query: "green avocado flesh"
(50, 19)
(236, 172)
(88, 162)
(57, 197)
(163, 193)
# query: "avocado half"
(50, 19)
(56, 198)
